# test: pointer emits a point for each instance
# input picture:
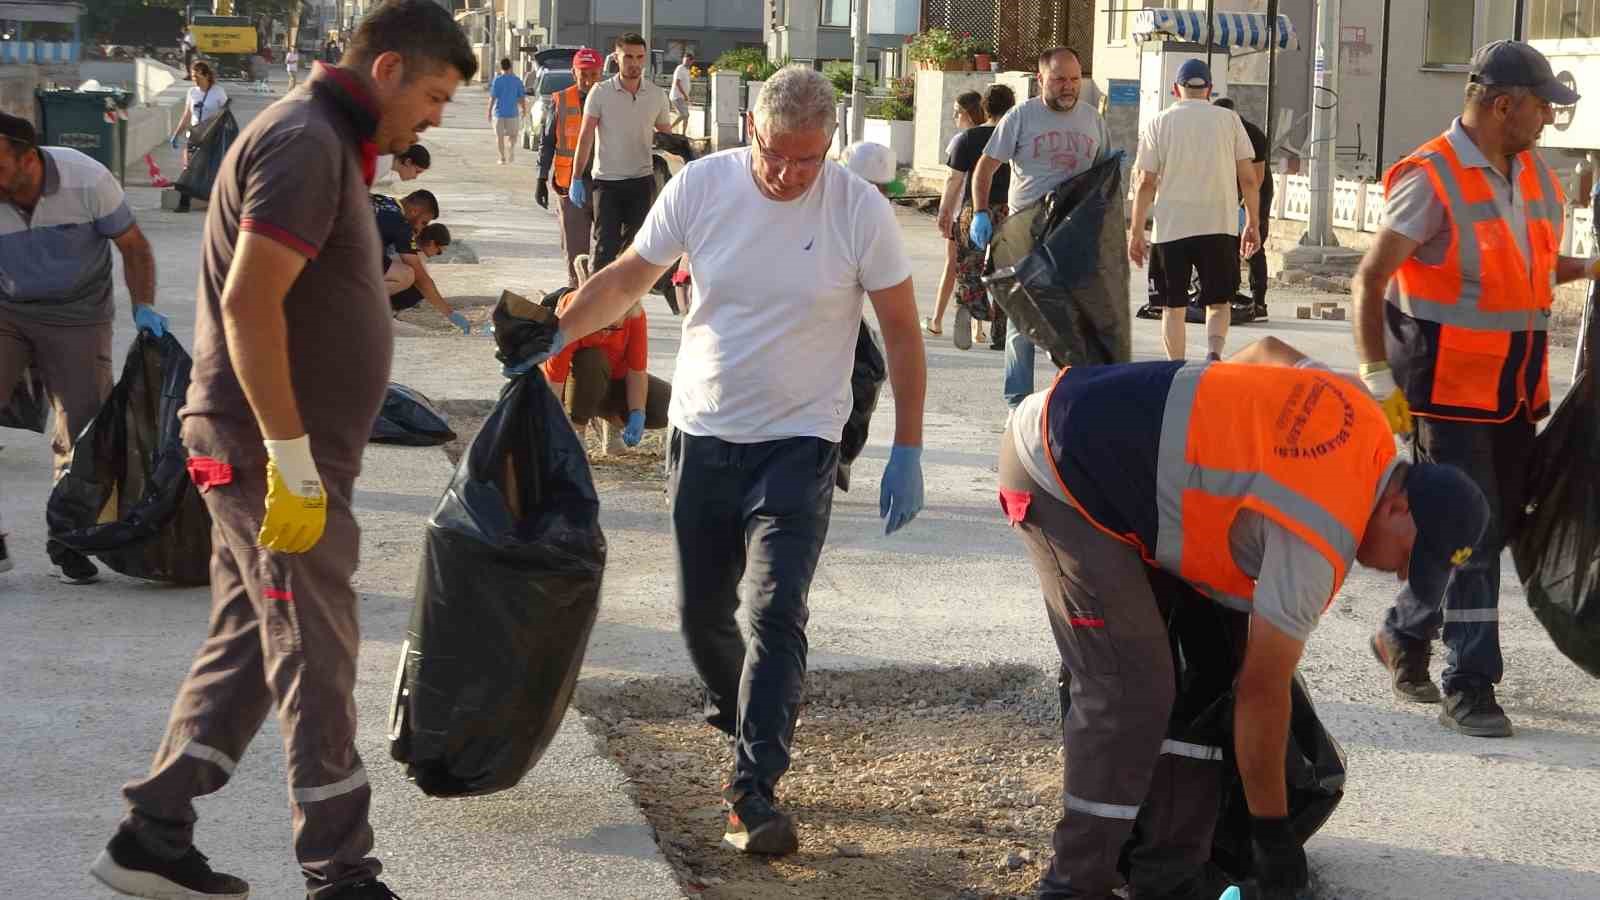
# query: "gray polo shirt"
(628, 122)
(1414, 209)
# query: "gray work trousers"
(284, 636)
(577, 222)
(1105, 607)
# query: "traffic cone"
(156, 178)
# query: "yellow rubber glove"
(1380, 381)
(297, 508)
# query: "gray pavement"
(91, 670)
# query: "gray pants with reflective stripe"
(284, 636)
(1122, 769)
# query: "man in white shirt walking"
(620, 119)
(1207, 151)
(785, 242)
(681, 86)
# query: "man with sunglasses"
(60, 214)
(784, 245)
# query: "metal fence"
(1018, 30)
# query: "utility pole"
(647, 24)
(1324, 126)
(552, 32)
(859, 27)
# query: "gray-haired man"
(753, 449)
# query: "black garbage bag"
(1241, 309)
(207, 145)
(507, 593)
(126, 497)
(1556, 544)
(866, 380)
(29, 407)
(410, 419)
(1070, 295)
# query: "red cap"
(587, 58)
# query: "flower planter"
(981, 60)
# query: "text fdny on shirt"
(1065, 149)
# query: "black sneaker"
(75, 568)
(372, 889)
(127, 867)
(1261, 311)
(755, 825)
(1407, 662)
(5, 558)
(1475, 713)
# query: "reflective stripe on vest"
(1303, 447)
(571, 113)
(1484, 283)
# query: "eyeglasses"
(784, 162)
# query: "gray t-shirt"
(628, 121)
(1293, 579)
(1411, 207)
(1045, 147)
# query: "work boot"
(1407, 662)
(371, 889)
(127, 867)
(756, 825)
(1474, 713)
(72, 567)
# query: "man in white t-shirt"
(784, 243)
(680, 93)
(1207, 152)
(291, 62)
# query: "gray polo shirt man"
(628, 123)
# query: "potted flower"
(936, 48)
(981, 56)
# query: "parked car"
(546, 83)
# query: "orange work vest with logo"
(1164, 456)
(1471, 339)
(568, 106)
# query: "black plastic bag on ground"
(1241, 310)
(29, 407)
(208, 144)
(126, 497)
(1557, 542)
(866, 380)
(410, 419)
(506, 597)
(1070, 295)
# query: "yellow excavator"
(228, 40)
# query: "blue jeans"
(1494, 456)
(757, 513)
(1019, 367)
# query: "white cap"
(872, 161)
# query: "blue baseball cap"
(1195, 74)
(1515, 64)
(1451, 515)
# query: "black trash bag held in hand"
(1070, 295)
(507, 594)
(29, 407)
(208, 144)
(1556, 545)
(126, 497)
(866, 380)
(410, 419)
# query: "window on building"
(836, 13)
(1118, 20)
(1457, 27)
(1548, 19)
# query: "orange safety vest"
(1475, 348)
(1303, 447)
(569, 107)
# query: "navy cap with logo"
(1451, 515)
(1515, 64)
(1194, 73)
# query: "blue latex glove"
(578, 193)
(526, 366)
(634, 432)
(900, 496)
(1231, 893)
(149, 320)
(460, 321)
(982, 229)
(174, 142)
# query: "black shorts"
(405, 299)
(1214, 256)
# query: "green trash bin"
(92, 122)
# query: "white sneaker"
(610, 439)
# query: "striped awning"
(1245, 31)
